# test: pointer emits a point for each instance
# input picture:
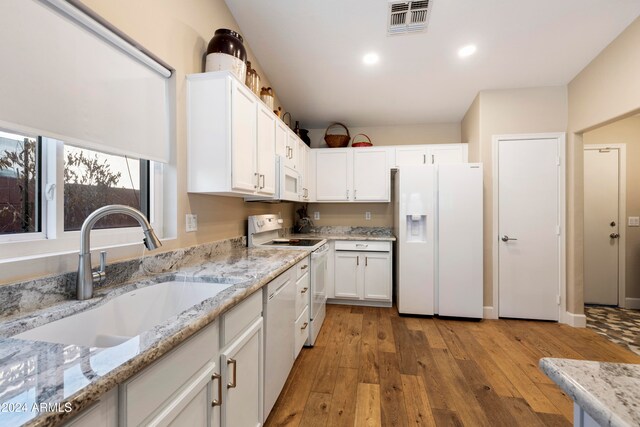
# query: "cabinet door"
(333, 180)
(266, 140)
(242, 369)
(347, 266)
(411, 156)
(446, 153)
(371, 181)
(291, 159)
(304, 155)
(282, 138)
(377, 275)
(243, 139)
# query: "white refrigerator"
(438, 224)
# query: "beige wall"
(470, 130)
(626, 131)
(178, 32)
(353, 214)
(605, 90)
(517, 111)
(432, 133)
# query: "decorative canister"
(266, 94)
(226, 52)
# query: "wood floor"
(371, 367)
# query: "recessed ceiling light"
(370, 58)
(467, 50)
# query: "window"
(41, 177)
(19, 184)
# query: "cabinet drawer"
(302, 267)
(363, 245)
(145, 393)
(303, 290)
(240, 317)
(302, 330)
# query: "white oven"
(318, 292)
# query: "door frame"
(622, 213)
(560, 137)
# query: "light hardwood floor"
(370, 367)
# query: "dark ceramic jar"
(226, 52)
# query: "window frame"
(52, 239)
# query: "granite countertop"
(350, 233)
(56, 374)
(608, 392)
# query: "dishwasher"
(278, 312)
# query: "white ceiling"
(312, 53)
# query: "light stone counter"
(608, 392)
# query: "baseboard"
(359, 302)
(632, 303)
(575, 320)
(488, 313)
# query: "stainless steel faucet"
(86, 277)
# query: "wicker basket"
(337, 141)
(366, 143)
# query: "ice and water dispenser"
(416, 220)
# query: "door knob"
(506, 238)
(614, 235)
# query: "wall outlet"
(316, 215)
(634, 221)
(191, 223)
(367, 216)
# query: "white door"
(243, 139)
(332, 178)
(292, 143)
(377, 275)
(527, 235)
(411, 156)
(371, 179)
(347, 269)
(266, 140)
(601, 217)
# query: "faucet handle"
(99, 276)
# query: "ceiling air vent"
(408, 16)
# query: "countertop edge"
(581, 396)
(91, 393)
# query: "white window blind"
(59, 79)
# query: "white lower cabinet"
(363, 271)
(102, 414)
(242, 372)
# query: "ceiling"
(312, 53)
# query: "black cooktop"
(294, 242)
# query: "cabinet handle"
(347, 194)
(304, 267)
(366, 261)
(355, 194)
(361, 245)
(232, 384)
(358, 260)
(257, 175)
(303, 327)
(433, 159)
(424, 159)
(218, 401)
(304, 290)
(263, 184)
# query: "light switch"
(191, 223)
(634, 221)
(367, 216)
(316, 215)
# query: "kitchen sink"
(129, 314)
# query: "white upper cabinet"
(291, 159)
(371, 180)
(430, 154)
(333, 175)
(266, 151)
(282, 139)
(352, 175)
(231, 138)
(304, 166)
